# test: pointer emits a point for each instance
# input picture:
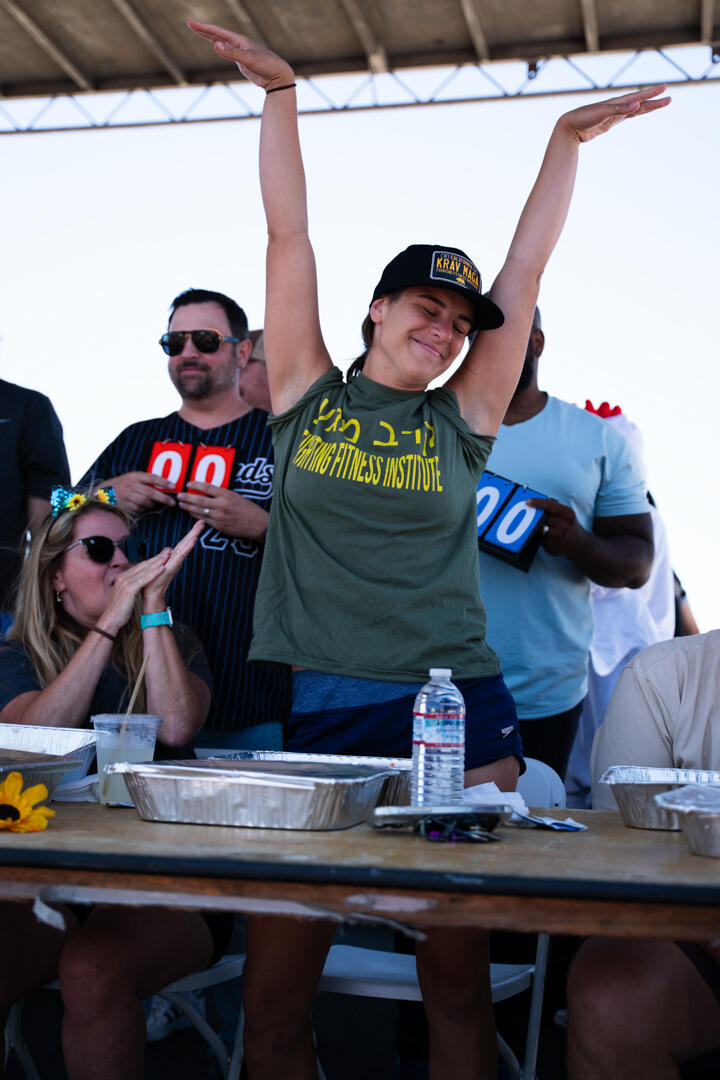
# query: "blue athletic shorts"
(385, 729)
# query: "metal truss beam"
(473, 21)
(461, 84)
(143, 31)
(56, 54)
(590, 25)
(374, 51)
(245, 20)
(707, 20)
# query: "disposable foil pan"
(37, 768)
(80, 742)
(635, 788)
(698, 810)
(254, 794)
(395, 791)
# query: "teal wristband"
(157, 618)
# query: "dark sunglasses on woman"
(205, 341)
(101, 548)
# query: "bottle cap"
(440, 673)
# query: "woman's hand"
(154, 590)
(257, 63)
(151, 578)
(589, 121)
(126, 587)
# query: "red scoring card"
(213, 465)
(170, 460)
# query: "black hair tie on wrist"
(97, 630)
(275, 89)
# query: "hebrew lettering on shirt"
(345, 461)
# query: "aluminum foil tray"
(254, 794)
(395, 792)
(635, 788)
(80, 742)
(37, 768)
(698, 809)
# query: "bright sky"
(101, 229)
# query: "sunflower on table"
(18, 809)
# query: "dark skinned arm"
(618, 553)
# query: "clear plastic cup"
(122, 737)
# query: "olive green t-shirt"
(371, 560)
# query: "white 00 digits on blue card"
(507, 526)
(492, 494)
(516, 523)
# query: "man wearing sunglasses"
(159, 469)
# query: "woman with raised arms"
(370, 574)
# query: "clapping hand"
(155, 589)
(258, 64)
(150, 578)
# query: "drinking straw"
(136, 688)
(123, 727)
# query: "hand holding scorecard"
(210, 464)
(508, 529)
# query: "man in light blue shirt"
(598, 527)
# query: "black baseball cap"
(443, 267)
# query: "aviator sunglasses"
(101, 548)
(205, 341)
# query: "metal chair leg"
(238, 1052)
(536, 1003)
(14, 1040)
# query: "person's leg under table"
(454, 974)
(636, 1009)
(30, 951)
(120, 956)
(285, 959)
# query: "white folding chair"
(374, 973)
(540, 785)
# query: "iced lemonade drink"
(122, 738)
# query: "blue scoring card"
(508, 529)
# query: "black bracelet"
(97, 630)
(275, 89)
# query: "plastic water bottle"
(438, 753)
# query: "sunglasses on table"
(101, 548)
(205, 341)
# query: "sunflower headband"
(62, 499)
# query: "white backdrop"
(100, 230)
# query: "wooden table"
(610, 880)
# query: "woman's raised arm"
(486, 380)
(294, 349)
